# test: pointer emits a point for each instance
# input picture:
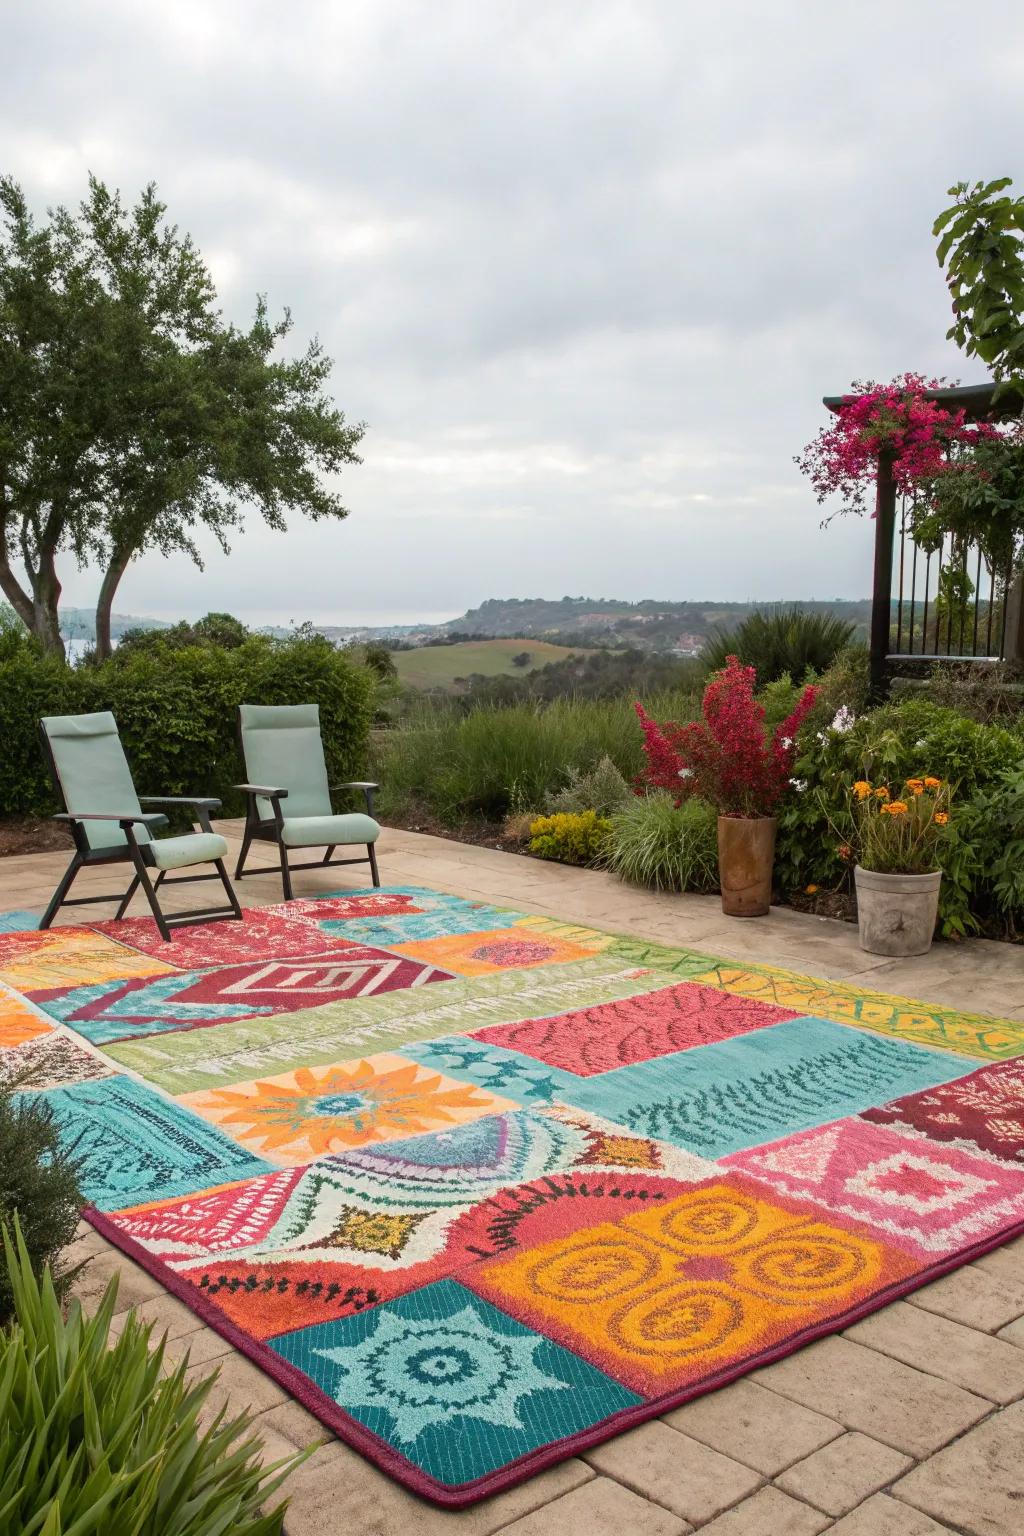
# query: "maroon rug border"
(451, 1496)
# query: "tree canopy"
(132, 415)
(981, 249)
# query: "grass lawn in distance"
(437, 666)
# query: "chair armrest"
(125, 818)
(196, 800)
(265, 790)
(368, 788)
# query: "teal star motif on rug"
(453, 1383)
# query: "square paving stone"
(885, 1516)
(974, 1296)
(768, 1513)
(843, 1473)
(600, 1508)
(990, 1367)
(892, 1402)
(755, 1426)
(977, 1484)
(669, 1468)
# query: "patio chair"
(283, 753)
(110, 825)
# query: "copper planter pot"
(746, 855)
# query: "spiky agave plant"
(96, 1436)
(778, 640)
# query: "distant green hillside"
(651, 624)
(439, 666)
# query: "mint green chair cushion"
(94, 774)
(192, 848)
(283, 750)
(321, 831)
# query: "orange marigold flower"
(916, 786)
(862, 789)
(931, 783)
(897, 808)
(942, 817)
(810, 890)
(881, 793)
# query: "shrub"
(778, 641)
(728, 757)
(571, 838)
(899, 741)
(97, 1436)
(602, 789)
(39, 1186)
(176, 711)
(655, 843)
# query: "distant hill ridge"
(650, 622)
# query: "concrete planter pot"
(746, 855)
(896, 913)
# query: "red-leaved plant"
(729, 757)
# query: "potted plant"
(730, 758)
(897, 874)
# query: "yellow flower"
(881, 793)
(862, 789)
(930, 783)
(810, 890)
(916, 786)
(897, 808)
(942, 817)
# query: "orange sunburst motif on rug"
(315, 1111)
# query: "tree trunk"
(45, 597)
(119, 562)
(37, 612)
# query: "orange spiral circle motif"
(713, 1222)
(809, 1264)
(595, 1270)
(676, 1319)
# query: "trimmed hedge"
(177, 712)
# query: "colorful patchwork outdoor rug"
(480, 1189)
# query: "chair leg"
(286, 874)
(229, 888)
(373, 863)
(142, 875)
(243, 854)
(327, 856)
(126, 899)
(57, 899)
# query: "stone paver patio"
(910, 1423)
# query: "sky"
(586, 268)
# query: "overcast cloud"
(586, 268)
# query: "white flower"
(686, 773)
(799, 785)
(844, 720)
(821, 738)
(787, 742)
(920, 742)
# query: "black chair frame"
(270, 830)
(140, 855)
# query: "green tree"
(981, 249)
(131, 414)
